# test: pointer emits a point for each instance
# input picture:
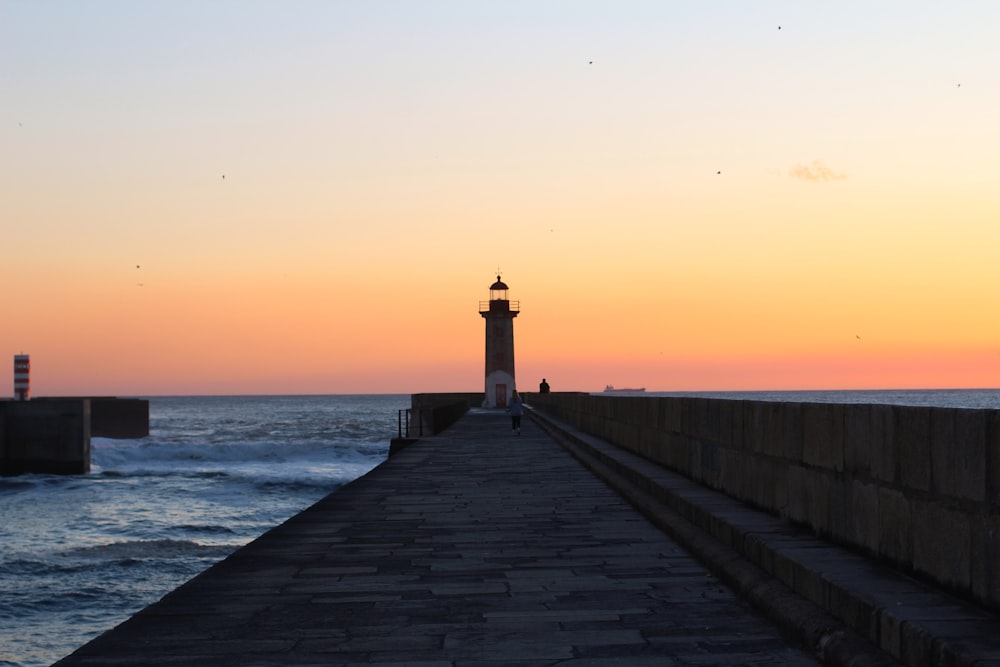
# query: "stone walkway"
(473, 547)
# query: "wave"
(110, 457)
(82, 553)
(147, 549)
(22, 483)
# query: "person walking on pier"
(543, 387)
(516, 409)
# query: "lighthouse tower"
(22, 377)
(499, 314)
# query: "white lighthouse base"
(499, 387)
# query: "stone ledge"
(834, 599)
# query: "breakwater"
(429, 414)
(52, 435)
(917, 487)
(45, 436)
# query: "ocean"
(80, 554)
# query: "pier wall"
(431, 413)
(913, 486)
(437, 412)
(112, 417)
(472, 399)
(48, 436)
(52, 435)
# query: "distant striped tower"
(499, 314)
(22, 372)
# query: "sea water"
(79, 554)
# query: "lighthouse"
(499, 314)
(22, 377)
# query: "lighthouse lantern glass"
(498, 291)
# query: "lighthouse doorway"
(501, 396)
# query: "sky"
(313, 196)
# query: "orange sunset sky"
(238, 196)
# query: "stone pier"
(52, 435)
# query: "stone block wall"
(432, 413)
(119, 417)
(917, 487)
(50, 436)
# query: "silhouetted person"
(543, 387)
(516, 409)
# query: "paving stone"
(473, 547)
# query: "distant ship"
(610, 389)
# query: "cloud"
(816, 172)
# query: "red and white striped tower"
(22, 371)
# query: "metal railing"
(513, 306)
(414, 422)
(405, 417)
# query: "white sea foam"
(145, 549)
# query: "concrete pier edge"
(844, 606)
